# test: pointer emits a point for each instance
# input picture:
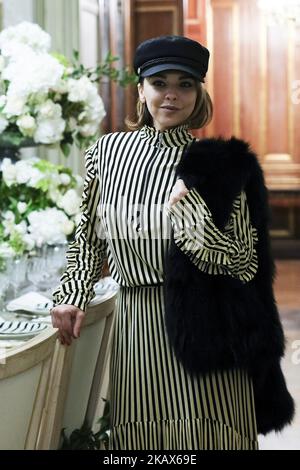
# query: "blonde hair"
(200, 117)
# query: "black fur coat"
(216, 322)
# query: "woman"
(137, 210)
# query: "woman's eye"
(183, 84)
(158, 83)
(186, 84)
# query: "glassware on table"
(44, 268)
(4, 283)
(36, 270)
(16, 269)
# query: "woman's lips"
(170, 108)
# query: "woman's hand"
(68, 319)
(179, 190)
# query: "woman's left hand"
(179, 191)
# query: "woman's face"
(170, 98)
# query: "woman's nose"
(171, 95)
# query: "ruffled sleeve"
(228, 252)
(87, 253)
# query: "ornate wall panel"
(253, 72)
(146, 19)
(254, 81)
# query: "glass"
(45, 269)
(36, 270)
(4, 283)
(16, 274)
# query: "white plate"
(32, 302)
(20, 329)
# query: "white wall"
(89, 32)
(15, 11)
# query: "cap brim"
(162, 67)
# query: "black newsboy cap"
(171, 52)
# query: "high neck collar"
(174, 137)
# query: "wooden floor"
(287, 293)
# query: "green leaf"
(110, 58)
(13, 138)
(17, 243)
(66, 149)
(84, 438)
(45, 166)
(76, 55)
(62, 59)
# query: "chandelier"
(281, 11)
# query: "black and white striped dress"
(155, 403)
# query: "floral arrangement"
(45, 98)
(39, 205)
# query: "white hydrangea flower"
(79, 181)
(3, 100)
(22, 207)
(49, 131)
(46, 226)
(92, 116)
(64, 179)
(8, 172)
(96, 110)
(54, 194)
(89, 129)
(50, 125)
(35, 176)
(2, 63)
(8, 226)
(72, 124)
(61, 87)
(23, 171)
(15, 105)
(29, 241)
(69, 70)
(79, 90)
(9, 216)
(68, 227)
(13, 49)
(26, 33)
(21, 228)
(84, 91)
(33, 73)
(26, 125)
(70, 202)
(49, 110)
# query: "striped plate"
(20, 329)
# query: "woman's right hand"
(68, 319)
